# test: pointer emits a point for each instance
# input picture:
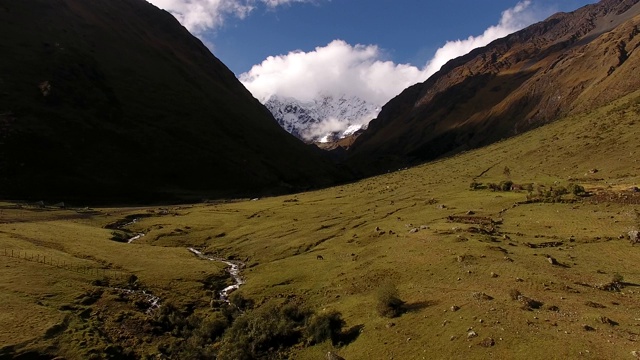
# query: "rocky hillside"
(105, 101)
(567, 64)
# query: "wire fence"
(99, 273)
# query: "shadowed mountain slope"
(567, 64)
(116, 101)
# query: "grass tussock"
(388, 301)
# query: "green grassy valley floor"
(458, 257)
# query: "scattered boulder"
(588, 327)
(614, 286)
(529, 303)
(553, 308)
(471, 334)
(488, 342)
(333, 356)
(552, 260)
(455, 308)
(594, 305)
(607, 321)
(481, 296)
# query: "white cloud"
(512, 20)
(330, 125)
(335, 69)
(361, 70)
(199, 16)
(274, 3)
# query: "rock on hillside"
(567, 64)
(114, 100)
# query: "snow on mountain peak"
(324, 118)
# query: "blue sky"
(409, 31)
(372, 49)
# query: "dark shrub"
(238, 300)
(389, 302)
(265, 330)
(323, 327)
(576, 189)
(505, 185)
(475, 185)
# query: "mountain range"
(112, 101)
(323, 119)
(567, 64)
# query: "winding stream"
(233, 269)
(154, 301)
(134, 238)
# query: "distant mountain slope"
(115, 100)
(567, 64)
(324, 118)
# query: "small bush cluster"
(556, 193)
(273, 328)
(576, 189)
(506, 185)
(199, 330)
(550, 195)
(238, 331)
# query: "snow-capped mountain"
(323, 119)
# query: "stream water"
(233, 270)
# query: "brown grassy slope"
(114, 100)
(567, 64)
(445, 263)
